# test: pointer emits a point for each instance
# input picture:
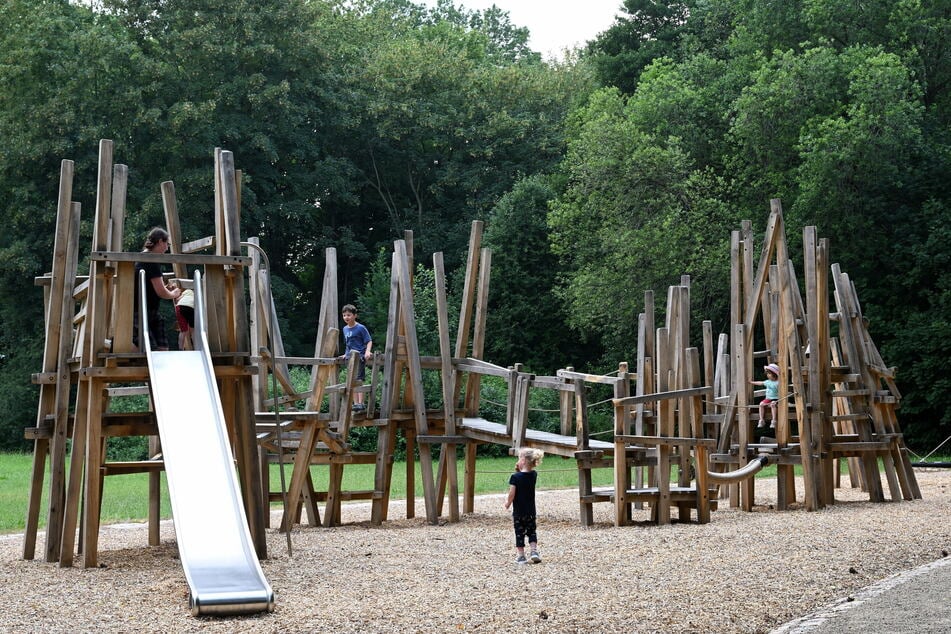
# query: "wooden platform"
(553, 444)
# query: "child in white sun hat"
(771, 383)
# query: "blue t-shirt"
(524, 503)
(772, 389)
(356, 338)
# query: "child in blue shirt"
(358, 339)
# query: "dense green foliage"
(837, 108)
(615, 171)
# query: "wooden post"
(816, 314)
(173, 224)
(415, 379)
(238, 341)
(741, 365)
(701, 461)
(664, 413)
(622, 469)
(386, 436)
(59, 312)
(793, 364)
(447, 456)
(98, 327)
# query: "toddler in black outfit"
(522, 495)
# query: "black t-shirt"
(524, 502)
(152, 270)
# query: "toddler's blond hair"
(533, 456)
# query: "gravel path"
(743, 572)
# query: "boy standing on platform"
(358, 339)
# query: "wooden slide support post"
(237, 390)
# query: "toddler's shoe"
(521, 559)
(536, 558)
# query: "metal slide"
(214, 543)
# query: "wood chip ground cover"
(743, 572)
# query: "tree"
(526, 322)
(649, 30)
(450, 118)
(837, 108)
(64, 71)
(634, 216)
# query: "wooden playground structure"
(684, 418)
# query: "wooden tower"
(89, 346)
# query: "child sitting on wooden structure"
(771, 383)
(522, 494)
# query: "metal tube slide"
(744, 472)
(214, 543)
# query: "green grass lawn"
(125, 497)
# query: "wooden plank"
(582, 376)
(201, 244)
(103, 255)
(137, 466)
(660, 396)
(123, 307)
(673, 441)
(481, 367)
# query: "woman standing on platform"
(155, 289)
